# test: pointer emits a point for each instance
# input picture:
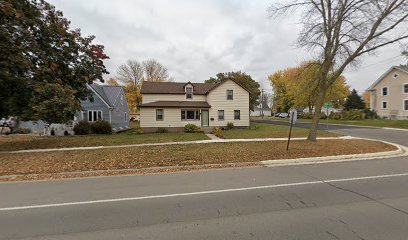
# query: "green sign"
(328, 105)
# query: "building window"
(385, 91)
(159, 114)
(230, 94)
(405, 86)
(395, 75)
(189, 92)
(125, 117)
(237, 114)
(384, 104)
(94, 115)
(220, 115)
(406, 105)
(190, 114)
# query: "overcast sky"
(197, 39)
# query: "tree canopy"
(339, 33)
(244, 80)
(354, 101)
(298, 87)
(44, 65)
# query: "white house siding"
(217, 98)
(171, 97)
(394, 98)
(172, 118)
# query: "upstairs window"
(385, 91)
(159, 114)
(125, 117)
(395, 75)
(94, 115)
(405, 88)
(189, 92)
(230, 94)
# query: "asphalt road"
(349, 200)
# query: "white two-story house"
(172, 105)
(389, 94)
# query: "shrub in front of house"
(82, 128)
(190, 128)
(162, 130)
(310, 116)
(101, 127)
(23, 131)
(138, 130)
(230, 125)
(217, 132)
(370, 114)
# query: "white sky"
(197, 39)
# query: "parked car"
(283, 115)
(276, 114)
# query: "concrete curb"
(171, 143)
(400, 152)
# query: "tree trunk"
(316, 117)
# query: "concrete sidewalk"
(219, 140)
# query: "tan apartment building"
(172, 105)
(389, 94)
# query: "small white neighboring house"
(325, 110)
(109, 104)
(389, 94)
(172, 105)
(261, 109)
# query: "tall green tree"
(354, 101)
(44, 65)
(244, 80)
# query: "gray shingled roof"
(177, 104)
(175, 87)
(108, 93)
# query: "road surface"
(349, 200)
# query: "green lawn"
(21, 142)
(264, 130)
(365, 122)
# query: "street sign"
(328, 105)
(293, 114)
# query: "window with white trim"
(125, 117)
(237, 115)
(406, 105)
(94, 115)
(189, 92)
(395, 75)
(190, 114)
(384, 104)
(385, 91)
(159, 115)
(220, 115)
(405, 88)
(230, 94)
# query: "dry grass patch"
(178, 155)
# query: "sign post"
(327, 106)
(293, 118)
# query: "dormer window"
(189, 92)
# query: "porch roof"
(177, 104)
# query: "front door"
(204, 118)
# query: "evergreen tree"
(354, 101)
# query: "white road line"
(199, 193)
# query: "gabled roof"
(178, 87)
(401, 68)
(108, 94)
